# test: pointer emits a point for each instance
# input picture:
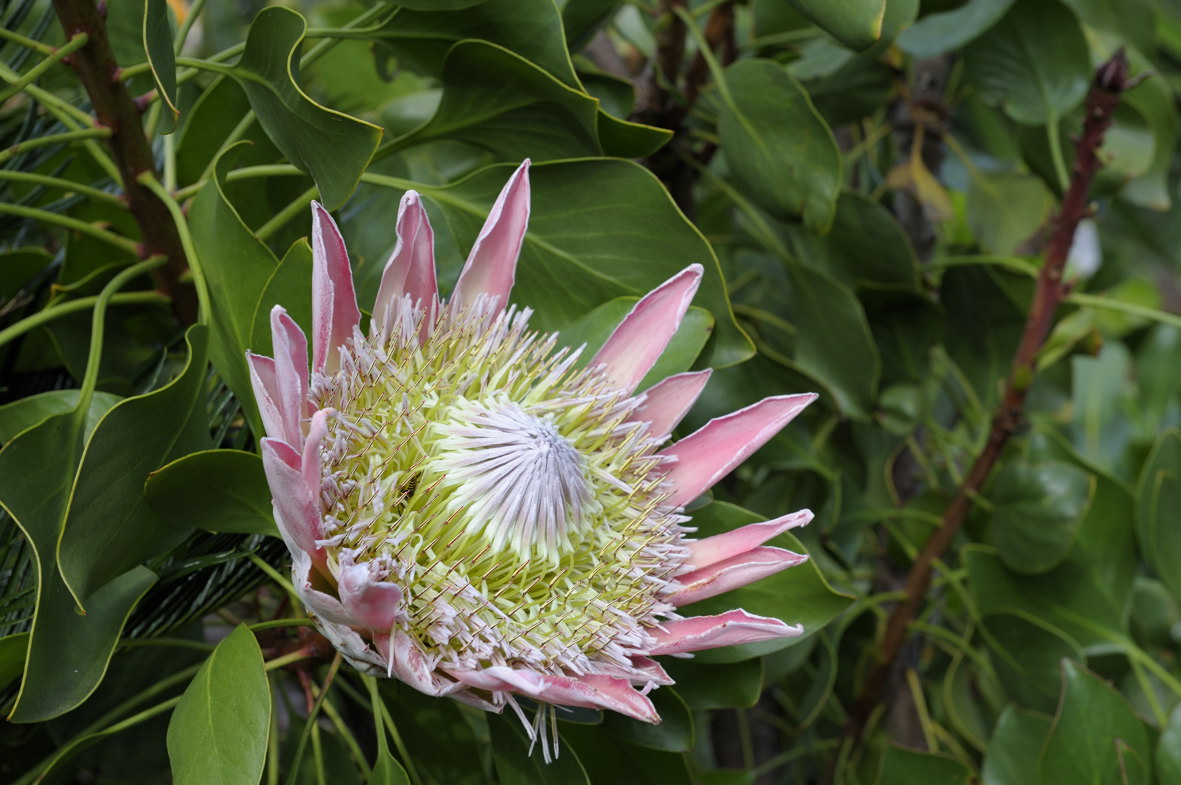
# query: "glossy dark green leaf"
(598, 230)
(1037, 509)
(110, 528)
(518, 762)
(1151, 102)
(215, 490)
(1006, 211)
(1069, 597)
(702, 686)
(27, 412)
(1168, 750)
(1014, 747)
(387, 771)
(218, 733)
(1026, 652)
(782, 154)
(855, 23)
(606, 759)
(331, 147)
(673, 734)
(910, 767)
(157, 33)
(1034, 64)
(867, 247)
(841, 354)
(447, 746)
(13, 649)
(1096, 738)
(947, 31)
(798, 595)
(1158, 497)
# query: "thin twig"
(1110, 81)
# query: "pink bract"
(471, 511)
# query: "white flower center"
(514, 479)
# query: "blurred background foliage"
(871, 186)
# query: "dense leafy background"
(869, 184)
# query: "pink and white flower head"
(472, 511)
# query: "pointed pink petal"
(375, 605)
(326, 607)
(492, 264)
(406, 661)
(334, 301)
(310, 461)
(731, 573)
(411, 267)
(297, 510)
(291, 374)
(668, 401)
(711, 632)
(589, 692)
(641, 337)
(709, 454)
(720, 547)
(266, 394)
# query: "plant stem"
(1110, 81)
(114, 107)
(30, 76)
(46, 216)
(73, 306)
(69, 186)
(52, 139)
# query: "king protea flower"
(471, 510)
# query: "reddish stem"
(1110, 81)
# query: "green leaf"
(1168, 749)
(387, 771)
(798, 595)
(703, 686)
(1068, 597)
(446, 748)
(1013, 750)
(157, 34)
(608, 760)
(109, 526)
(1036, 512)
(909, 767)
(518, 762)
(214, 490)
(833, 343)
(598, 230)
(13, 649)
(1096, 738)
(27, 412)
(867, 247)
(1007, 210)
(333, 148)
(781, 152)
(1158, 497)
(1026, 652)
(218, 733)
(245, 282)
(1034, 64)
(947, 31)
(673, 734)
(855, 23)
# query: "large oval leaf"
(781, 151)
(218, 733)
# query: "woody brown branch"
(1110, 81)
(114, 108)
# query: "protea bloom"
(471, 510)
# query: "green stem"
(272, 573)
(25, 41)
(52, 139)
(183, 33)
(1095, 301)
(30, 76)
(149, 181)
(286, 214)
(1056, 153)
(97, 327)
(34, 178)
(205, 65)
(118, 241)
